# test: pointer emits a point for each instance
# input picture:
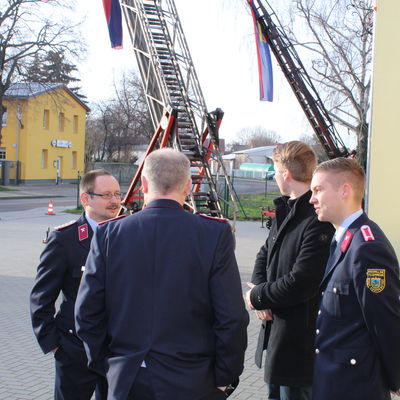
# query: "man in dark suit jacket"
(160, 307)
(60, 270)
(287, 273)
(358, 325)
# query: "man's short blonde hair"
(297, 157)
(348, 171)
(166, 171)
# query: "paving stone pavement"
(26, 373)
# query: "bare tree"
(338, 39)
(119, 123)
(30, 28)
(315, 144)
(258, 136)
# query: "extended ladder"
(298, 79)
(175, 100)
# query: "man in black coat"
(60, 270)
(358, 325)
(286, 277)
(160, 307)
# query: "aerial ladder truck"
(300, 83)
(176, 104)
(298, 78)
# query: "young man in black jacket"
(287, 273)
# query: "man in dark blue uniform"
(358, 326)
(60, 270)
(160, 307)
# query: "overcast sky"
(221, 40)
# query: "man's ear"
(188, 187)
(84, 197)
(286, 174)
(347, 190)
(145, 184)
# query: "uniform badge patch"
(83, 232)
(376, 280)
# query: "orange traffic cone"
(50, 209)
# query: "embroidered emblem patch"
(83, 232)
(376, 280)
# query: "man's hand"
(248, 301)
(221, 388)
(264, 315)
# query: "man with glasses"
(60, 270)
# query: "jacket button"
(334, 290)
(70, 331)
(316, 351)
(322, 293)
(317, 331)
(319, 312)
(353, 361)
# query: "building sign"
(61, 143)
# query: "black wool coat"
(288, 270)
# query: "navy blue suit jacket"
(358, 326)
(60, 270)
(163, 286)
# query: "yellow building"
(384, 166)
(43, 133)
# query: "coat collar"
(291, 207)
(163, 203)
(281, 202)
(344, 244)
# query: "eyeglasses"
(107, 196)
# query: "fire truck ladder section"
(299, 80)
(175, 100)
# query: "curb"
(28, 196)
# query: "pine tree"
(54, 68)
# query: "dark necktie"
(331, 255)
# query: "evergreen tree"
(54, 68)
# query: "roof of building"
(25, 90)
(263, 150)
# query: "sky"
(220, 37)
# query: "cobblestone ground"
(27, 374)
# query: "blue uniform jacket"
(163, 286)
(358, 326)
(60, 270)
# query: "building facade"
(43, 133)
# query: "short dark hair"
(298, 157)
(350, 170)
(88, 180)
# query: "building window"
(46, 119)
(74, 158)
(5, 117)
(75, 127)
(44, 158)
(2, 153)
(61, 121)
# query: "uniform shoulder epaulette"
(214, 218)
(112, 219)
(367, 233)
(66, 225)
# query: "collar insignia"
(83, 232)
(346, 241)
